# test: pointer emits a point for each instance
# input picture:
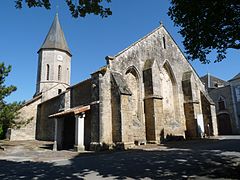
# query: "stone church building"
(226, 96)
(146, 93)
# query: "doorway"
(224, 124)
(68, 140)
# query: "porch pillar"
(55, 135)
(214, 120)
(79, 132)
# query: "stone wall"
(51, 89)
(191, 122)
(80, 93)
(126, 125)
(235, 89)
(105, 110)
(148, 53)
(95, 110)
(164, 66)
(27, 113)
(153, 103)
(116, 112)
(46, 126)
(197, 108)
(226, 94)
(135, 103)
(206, 110)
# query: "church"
(147, 93)
(226, 96)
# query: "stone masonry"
(146, 93)
(226, 96)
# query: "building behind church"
(146, 93)
(226, 96)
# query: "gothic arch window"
(221, 104)
(169, 71)
(59, 72)
(169, 94)
(132, 78)
(134, 71)
(48, 69)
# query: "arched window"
(132, 79)
(59, 72)
(169, 93)
(48, 69)
(221, 104)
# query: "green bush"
(8, 111)
(2, 136)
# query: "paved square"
(198, 159)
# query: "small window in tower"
(164, 42)
(221, 104)
(59, 91)
(59, 72)
(48, 68)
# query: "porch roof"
(72, 111)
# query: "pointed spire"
(55, 38)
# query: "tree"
(80, 8)
(8, 111)
(207, 26)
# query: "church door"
(224, 124)
(69, 132)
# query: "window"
(59, 91)
(164, 42)
(59, 72)
(48, 68)
(238, 93)
(221, 104)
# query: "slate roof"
(122, 85)
(210, 81)
(55, 38)
(235, 77)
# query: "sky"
(90, 39)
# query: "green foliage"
(8, 111)
(1, 132)
(78, 8)
(207, 26)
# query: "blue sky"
(90, 39)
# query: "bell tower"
(54, 63)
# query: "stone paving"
(199, 159)
(36, 151)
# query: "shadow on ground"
(180, 160)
